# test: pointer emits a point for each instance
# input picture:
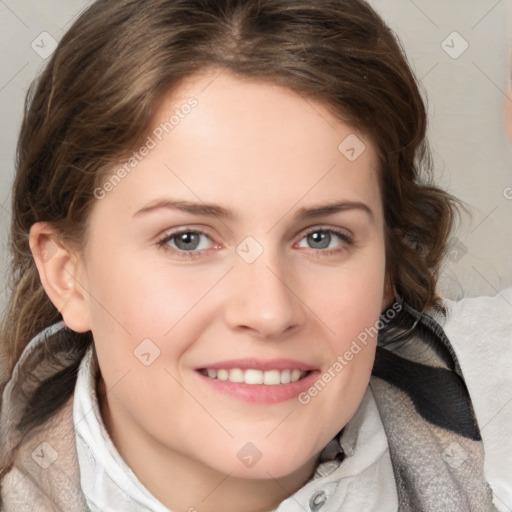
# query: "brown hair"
(93, 103)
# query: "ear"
(60, 270)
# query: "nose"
(263, 299)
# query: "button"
(317, 501)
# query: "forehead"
(220, 137)
(243, 109)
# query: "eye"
(186, 242)
(189, 243)
(321, 239)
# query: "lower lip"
(261, 393)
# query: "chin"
(270, 463)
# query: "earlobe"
(59, 271)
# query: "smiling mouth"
(253, 376)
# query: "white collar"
(364, 481)
(108, 484)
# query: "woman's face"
(245, 242)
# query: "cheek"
(351, 298)
(358, 309)
(138, 310)
(143, 298)
(350, 309)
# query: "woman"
(217, 208)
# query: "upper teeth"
(250, 376)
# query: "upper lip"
(259, 364)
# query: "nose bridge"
(263, 299)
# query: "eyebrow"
(213, 210)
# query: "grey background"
(466, 95)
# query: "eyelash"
(163, 243)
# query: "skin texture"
(263, 152)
